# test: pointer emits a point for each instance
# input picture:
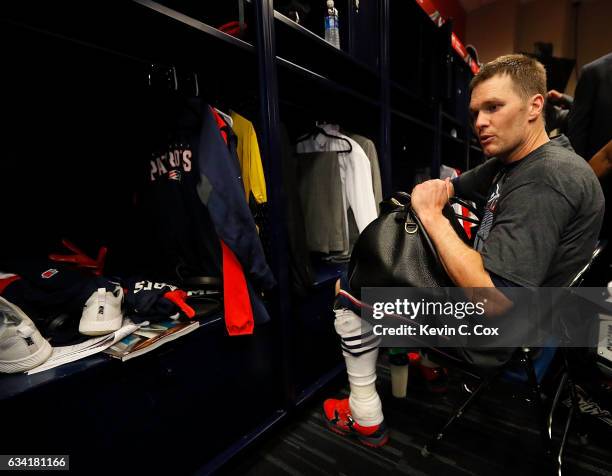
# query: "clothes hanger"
(226, 117)
(172, 88)
(319, 130)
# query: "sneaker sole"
(374, 443)
(100, 328)
(27, 363)
(364, 440)
(335, 429)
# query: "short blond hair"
(527, 74)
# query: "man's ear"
(536, 107)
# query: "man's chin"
(489, 152)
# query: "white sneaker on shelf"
(22, 347)
(102, 312)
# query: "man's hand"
(428, 199)
(463, 265)
(559, 99)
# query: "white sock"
(364, 401)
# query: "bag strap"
(403, 199)
(415, 225)
(466, 204)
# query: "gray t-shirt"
(542, 215)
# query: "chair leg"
(433, 442)
(542, 417)
(565, 379)
(579, 424)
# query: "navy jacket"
(194, 196)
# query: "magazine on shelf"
(149, 337)
(70, 353)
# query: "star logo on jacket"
(49, 273)
(493, 199)
(174, 175)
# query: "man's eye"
(493, 107)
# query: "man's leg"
(360, 414)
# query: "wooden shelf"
(413, 120)
(285, 24)
(13, 385)
(398, 88)
(142, 30)
(303, 50)
(453, 119)
(456, 140)
(324, 81)
(195, 24)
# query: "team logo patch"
(49, 273)
(174, 175)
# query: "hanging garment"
(355, 174)
(176, 231)
(194, 202)
(239, 241)
(250, 159)
(322, 202)
(370, 151)
(302, 272)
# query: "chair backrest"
(579, 277)
(542, 361)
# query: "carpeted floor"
(491, 438)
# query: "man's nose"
(480, 121)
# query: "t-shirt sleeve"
(474, 184)
(500, 282)
(526, 233)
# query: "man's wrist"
(432, 220)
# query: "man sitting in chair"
(543, 209)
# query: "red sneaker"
(339, 420)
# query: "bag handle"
(466, 204)
(412, 223)
(400, 198)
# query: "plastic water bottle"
(332, 26)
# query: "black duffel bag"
(395, 250)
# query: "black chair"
(526, 371)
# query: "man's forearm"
(465, 267)
(463, 264)
(601, 163)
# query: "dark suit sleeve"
(581, 114)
